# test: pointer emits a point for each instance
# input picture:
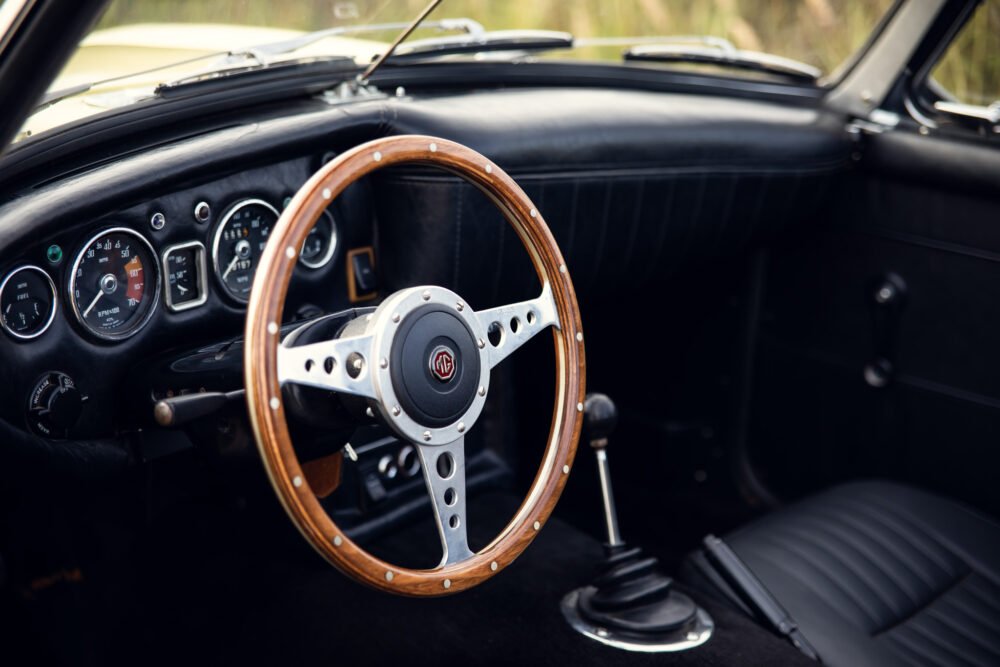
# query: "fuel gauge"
(27, 302)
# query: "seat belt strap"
(753, 592)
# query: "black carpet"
(236, 594)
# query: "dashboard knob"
(55, 405)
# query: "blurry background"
(822, 33)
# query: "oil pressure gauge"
(27, 302)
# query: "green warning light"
(55, 254)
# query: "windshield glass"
(184, 38)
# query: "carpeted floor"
(236, 594)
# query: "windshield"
(182, 38)
(822, 33)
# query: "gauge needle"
(93, 303)
(232, 265)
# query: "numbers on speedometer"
(242, 234)
(239, 242)
(114, 284)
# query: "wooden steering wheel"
(422, 360)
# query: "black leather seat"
(878, 573)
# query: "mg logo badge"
(442, 363)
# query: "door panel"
(907, 213)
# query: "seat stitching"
(875, 540)
(847, 540)
(916, 612)
(962, 607)
(827, 575)
(975, 592)
(806, 582)
(959, 630)
(897, 643)
(926, 634)
(886, 518)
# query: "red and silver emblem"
(442, 363)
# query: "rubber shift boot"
(631, 594)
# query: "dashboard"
(632, 184)
(173, 272)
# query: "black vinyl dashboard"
(632, 183)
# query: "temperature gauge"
(321, 244)
(184, 266)
(27, 302)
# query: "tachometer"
(238, 244)
(114, 284)
(27, 302)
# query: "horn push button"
(434, 366)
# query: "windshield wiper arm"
(493, 41)
(54, 96)
(721, 52)
(263, 52)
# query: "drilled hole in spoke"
(454, 521)
(531, 317)
(495, 334)
(355, 365)
(445, 465)
(329, 364)
(515, 324)
(450, 497)
(309, 365)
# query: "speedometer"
(239, 242)
(114, 284)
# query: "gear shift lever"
(600, 416)
(631, 604)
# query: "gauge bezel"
(217, 238)
(330, 252)
(201, 266)
(54, 305)
(154, 294)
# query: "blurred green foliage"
(822, 33)
(970, 69)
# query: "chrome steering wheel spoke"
(444, 474)
(511, 326)
(341, 365)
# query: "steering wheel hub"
(434, 365)
(432, 374)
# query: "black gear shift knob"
(600, 416)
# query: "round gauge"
(320, 244)
(239, 243)
(114, 284)
(27, 302)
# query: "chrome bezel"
(201, 265)
(53, 308)
(217, 237)
(154, 294)
(330, 252)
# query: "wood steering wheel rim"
(263, 385)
